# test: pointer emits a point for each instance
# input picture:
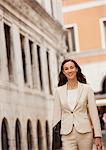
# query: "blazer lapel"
(80, 89)
(64, 98)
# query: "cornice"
(22, 5)
(89, 53)
(84, 5)
(42, 12)
(33, 12)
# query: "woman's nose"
(70, 70)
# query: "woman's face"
(70, 70)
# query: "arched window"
(29, 135)
(39, 136)
(47, 136)
(18, 135)
(4, 135)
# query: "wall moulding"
(31, 11)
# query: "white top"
(72, 98)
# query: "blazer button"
(72, 112)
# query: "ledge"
(81, 54)
(42, 12)
(34, 15)
(24, 7)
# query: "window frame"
(75, 27)
(102, 32)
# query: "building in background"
(85, 22)
(31, 40)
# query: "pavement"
(104, 140)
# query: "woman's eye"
(66, 69)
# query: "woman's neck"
(72, 84)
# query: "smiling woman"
(64, 67)
(75, 106)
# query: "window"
(104, 85)
(22, 40)
(47, 136)
(4, 135)
(71, 39)
(39, 66)
(31, 52)
(7, 32)
(105, 32)
(48, 67)
(68, 43)
(32, 62)
(18, 135)
(39, 136)
(29, 135)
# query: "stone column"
(44, 68)
(23, 131)
(44, 136)
(11, 134)
(53, 70)
(34, 135)
(17, 55)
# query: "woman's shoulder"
(59, 88)
(87, 86)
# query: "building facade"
(31, 40)
(85, 21)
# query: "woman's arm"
(94, 119)
(92, 108)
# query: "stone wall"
(30, 40)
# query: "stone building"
(31, 41)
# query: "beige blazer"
(83, 117)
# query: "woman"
(75, 106)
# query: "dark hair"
(62, 78)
